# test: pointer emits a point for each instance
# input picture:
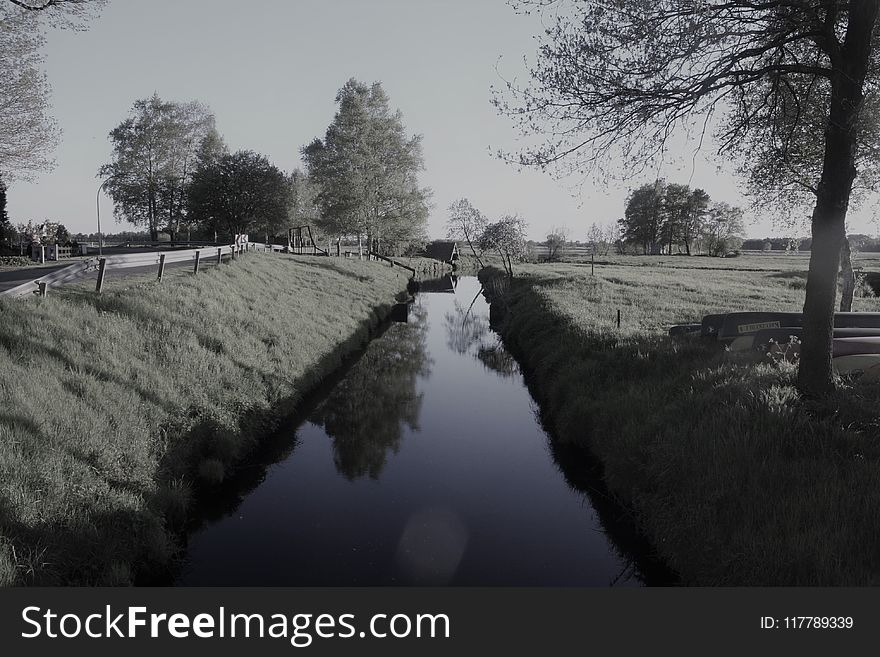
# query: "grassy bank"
(118, 407)
(730, 477)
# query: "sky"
(270, 69)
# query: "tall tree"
(155, 151)
(239, 193)
(28, 133)
(643, 216)
(4, 216)
(507, 237)
(466, 223)
(674, 214)
(557, 243)
(7, 231)
(723, 229)
(193, 137)
(366, 170)
(694, 218)
(302, 210)
(617, 79)
(59, 13)
(600, 238)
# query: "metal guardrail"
(83, 269)
(170, 245)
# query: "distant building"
(442, 251)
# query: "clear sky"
(270, 69)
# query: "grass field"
(119, 407)
(732, 479)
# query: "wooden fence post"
(618, 318)
(102, 268)
(196, 266)
(219, 256)
(161, 266)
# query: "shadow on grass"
(129, 308)
(342, 271)
(18, 343)
(91, 548)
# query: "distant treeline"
(857, 242)
(663, 217)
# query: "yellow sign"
(753, 328)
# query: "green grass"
(732, 479)
(119, 407)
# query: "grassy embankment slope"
(117, 407)
(732, 479)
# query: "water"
(425, 464)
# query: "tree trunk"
(849, 279)
(360, 247)
(473, 250)
(338, 246)
(832, 199)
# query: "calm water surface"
(425, 464)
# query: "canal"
(424, 464)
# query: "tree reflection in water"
(497, 359)
(367, 411)
(469, 331)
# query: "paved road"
(20, 275)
